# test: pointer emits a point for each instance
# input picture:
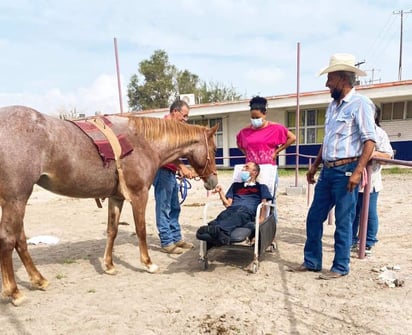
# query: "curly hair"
(258, 103)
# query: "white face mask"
(257, 123)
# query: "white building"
(394, 98)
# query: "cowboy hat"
(342, 62)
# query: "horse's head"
(203, 158)
(172, 140)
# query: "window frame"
(315, 130)
(210, 123)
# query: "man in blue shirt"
(347, 146)
(241, 202)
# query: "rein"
(197, 178)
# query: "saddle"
(111, 145)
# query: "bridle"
(207, 161)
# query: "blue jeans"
(167, 207)
(330, 191)
(373, 221)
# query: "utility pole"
(119, 86)
(358, 66)
(401, 12)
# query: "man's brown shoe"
(301, 268)
(184, 245)
(330, 275)
(172, 249)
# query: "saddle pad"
(100, 140)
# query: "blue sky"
(58, 55)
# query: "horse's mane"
(174, 132)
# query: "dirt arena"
(225, 299)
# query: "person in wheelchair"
(241, 202)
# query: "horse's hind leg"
(36, 279)
(114, 211)
(11, 234)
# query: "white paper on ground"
(45, 239)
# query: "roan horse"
(58, 156)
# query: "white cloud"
(60, 54)
(102, 96)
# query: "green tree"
(157, 87)
(216, 92)
(161, 82)
(187, 82)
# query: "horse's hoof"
(16, 298)
(41, 284)
(18, 301)
(152, 268)
(111, 271)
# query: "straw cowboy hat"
(342, 62)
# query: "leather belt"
(340, 162)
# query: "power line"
(401, 12)
(375, 47)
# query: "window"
(396, 110)
(387, 111)
(210, 123)
(311, 124)
(409, 109)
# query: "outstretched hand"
(217, 189)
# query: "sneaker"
(368, 250)
(184, 244)
(172, 249)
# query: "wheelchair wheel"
(255, 267)
(204, 264)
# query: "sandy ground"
(225, 299)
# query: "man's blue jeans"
(373, 221)
(331, 190)
(166, 192)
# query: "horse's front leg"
(114, 211)
(139, 203)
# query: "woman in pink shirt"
(263, 140)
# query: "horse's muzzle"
(211, 182)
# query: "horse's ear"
(213, 130)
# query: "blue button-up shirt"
(347, 126)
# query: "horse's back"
(23, 129)
(56, 154)
(19, 126)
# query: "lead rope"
(184, 185)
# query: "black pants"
(217, 232)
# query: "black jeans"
(217, 232)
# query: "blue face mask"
(257, 123)
(244, 175)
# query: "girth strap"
(117, 150)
